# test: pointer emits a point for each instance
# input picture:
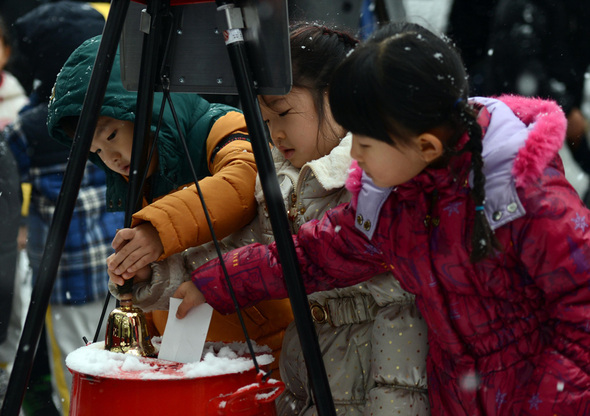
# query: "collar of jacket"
(330, 170)
(523, 136)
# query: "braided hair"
(405, 81)
(483, 239)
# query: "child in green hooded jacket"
(172, 218)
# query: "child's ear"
(430, 147)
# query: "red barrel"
(163, 388)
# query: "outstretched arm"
(177, 221)
(331, 253)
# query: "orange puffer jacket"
(228, 193)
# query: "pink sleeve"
(331, 253)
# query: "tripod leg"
(64, 209)
(155, 11)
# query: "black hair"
(316, 52)
(405, 81)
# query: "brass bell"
(127, 331)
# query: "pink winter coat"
(509, 335)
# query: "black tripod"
(247, 90)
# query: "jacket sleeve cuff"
(167, 275)
(155, 294)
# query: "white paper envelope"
(184, 339)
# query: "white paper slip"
(184, 339)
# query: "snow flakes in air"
(469, 381)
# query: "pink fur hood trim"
(543, 142)
(353, 182)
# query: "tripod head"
(197, 58)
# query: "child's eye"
(97, 151)
(112, 136)
(284, 113)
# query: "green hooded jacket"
(196, 118)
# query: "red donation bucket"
(121, 384)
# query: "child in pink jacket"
(465, 201)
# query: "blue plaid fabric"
(82, 273)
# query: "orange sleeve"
(229, 194)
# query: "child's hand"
(191, 297)
(143, 274)
(136, 248)
(115, 278)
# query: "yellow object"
(26, 189)
(63, 390)
(103, 8)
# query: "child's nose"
(278, 135)
(114, 156)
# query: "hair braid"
(483, 239)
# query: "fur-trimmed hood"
(329, 170)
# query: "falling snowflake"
(469, 381)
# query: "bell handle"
(126, 288)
